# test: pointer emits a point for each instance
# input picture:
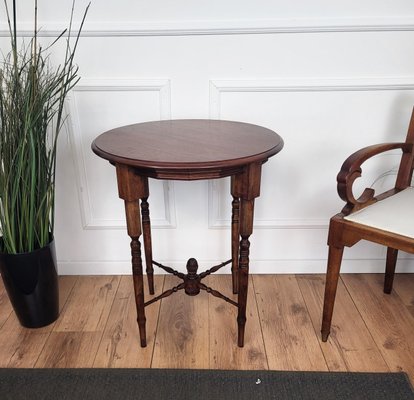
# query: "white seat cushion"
(394, 214)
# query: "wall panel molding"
(162, 87)
(224, 27)
(220, 86)
(217, 221)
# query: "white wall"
(329, 77)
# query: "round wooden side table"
(189, 150)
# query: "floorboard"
(404, 287)
(21, 347)
(75, 337)
(290, 341)
(182, 339)
(387, 318)
(119, 346)
(97, 327)
(224, 354)
(350, 346)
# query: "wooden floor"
(371, 331)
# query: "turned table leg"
(131, 188)
(246, 229)
(235, 236)
(247, 187)
(146, 228)
(132, 215)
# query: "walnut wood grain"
(345, 233)
(350, 346)
(235, 237)
(351, 170)
(146, 229)
(388, 320)
(189, 150)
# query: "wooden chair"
(387, 219)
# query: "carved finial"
(192, 267)
(192, 280)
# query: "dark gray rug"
(154, 384)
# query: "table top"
(188, 149)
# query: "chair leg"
(332, 276)
(392, 255)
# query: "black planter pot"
(31, 282)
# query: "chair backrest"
(405, 171)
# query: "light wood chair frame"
(345, 233)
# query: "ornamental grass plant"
(32, 97)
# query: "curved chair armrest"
(351, 170)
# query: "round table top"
(187, 146)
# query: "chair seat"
(394, 214)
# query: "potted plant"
(32, 96)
